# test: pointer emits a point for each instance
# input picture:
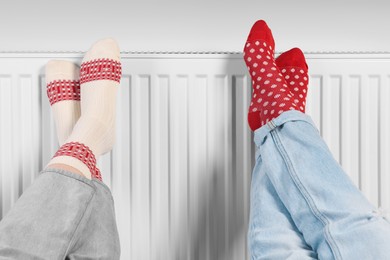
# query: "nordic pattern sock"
(294, 69)
(271, 95)
(63, 91)
(94, 133)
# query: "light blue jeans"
(62, 215)
(303, 205)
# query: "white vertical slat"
(197, 174)
(369, 138)
(313, 103)
(160, 168)
(242, 165)
(26, 125)
(249, 163)
(178, 125)
(6, 143)
(350, 127)
(331, 114)
(216, 131)
(384, 142)
(16, 150)
(228, 165)
(36, 120)
(121, 179)
(140, 167)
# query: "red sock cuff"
(100, 69)
(83, 153)
(58, 90)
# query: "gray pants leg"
(62, 215)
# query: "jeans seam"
(107, 191)
(332, 244)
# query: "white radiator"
(180, 169)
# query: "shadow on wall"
(218, 224)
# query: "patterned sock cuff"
(100, 69)
(58, 90)
(83, 153)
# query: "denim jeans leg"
(335, 218)
(44, 221)
(272, 234)
(99, 239)
(53, 217)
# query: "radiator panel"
(180, 169)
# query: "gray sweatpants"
(62, 215)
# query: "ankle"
(95, 133)
(65, 167)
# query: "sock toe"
(292, 58)
(106, 48)
(261, 31)
(101, 62)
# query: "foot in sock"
(294, 69)
(94, 133)
(271, 95)
(63, 91)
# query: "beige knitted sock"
(63, 91)
(94, 133)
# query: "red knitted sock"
(271, 95)
(294, 69)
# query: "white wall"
(200, 25)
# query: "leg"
(94, 133)
(66, 168)
(48, 218)
(99, 239)
(336, 220)
(60, 215)
(272, 232)
(68, 211)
